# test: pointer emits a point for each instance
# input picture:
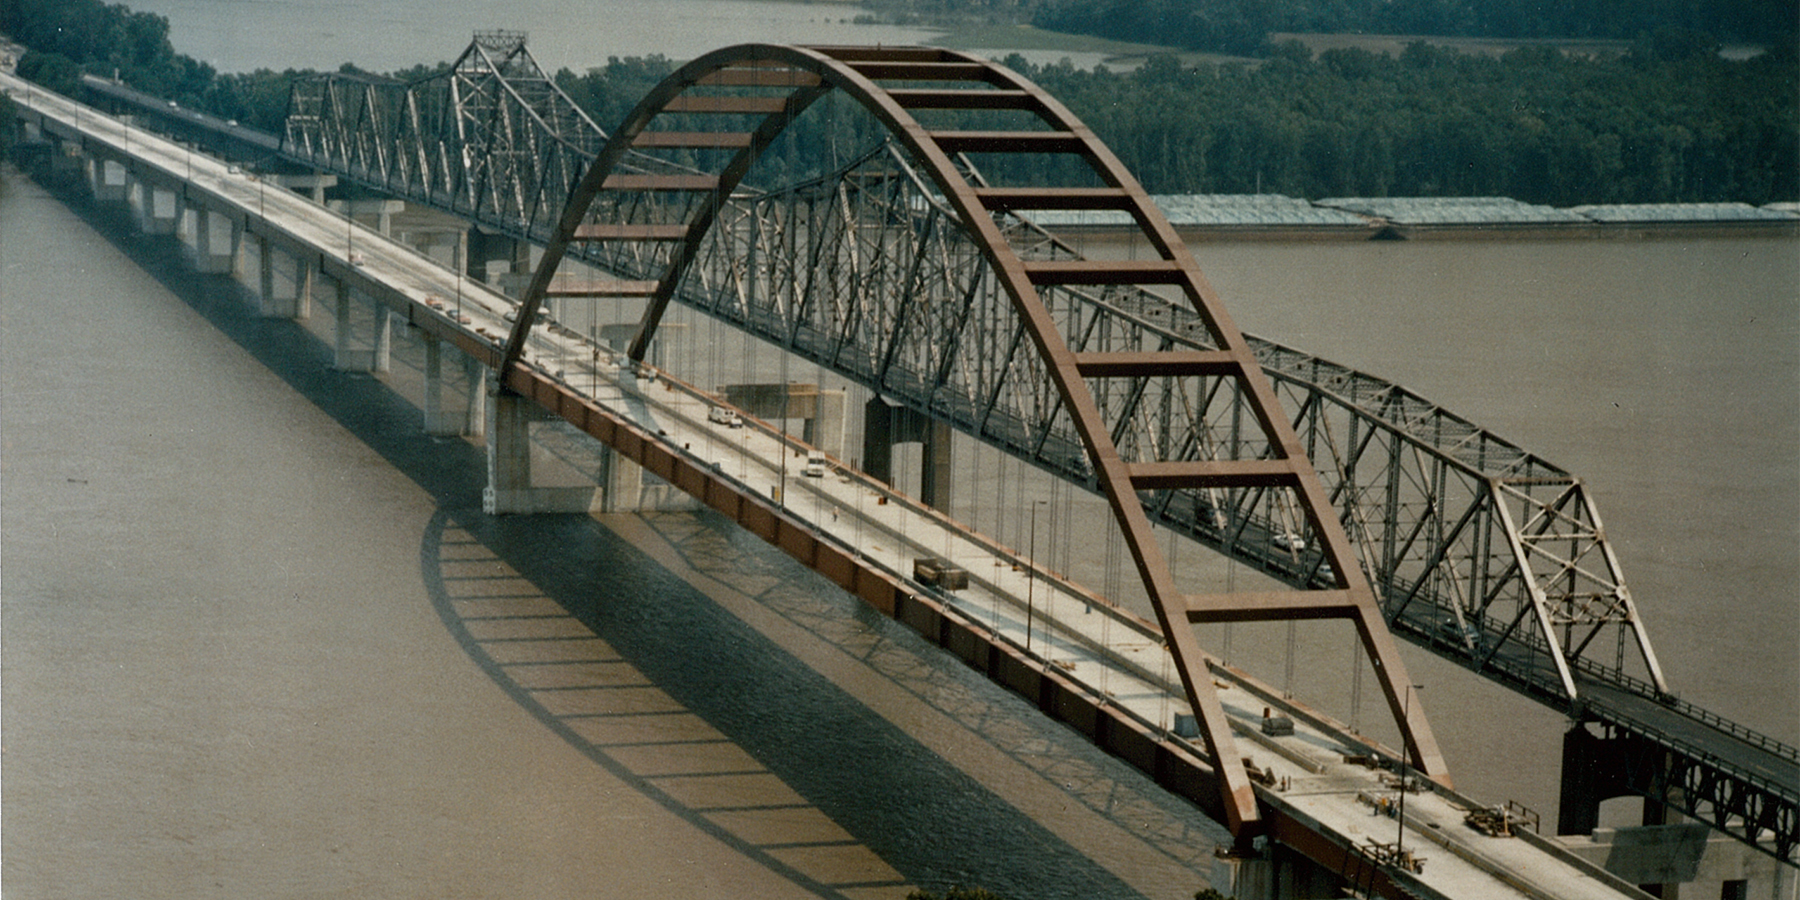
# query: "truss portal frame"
(718, 114)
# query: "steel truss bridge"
(913, 268)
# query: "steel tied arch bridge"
(915, 270)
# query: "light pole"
(1405, 765)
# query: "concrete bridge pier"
(511, 488)
(67, 164)
(491, 258)
(160, 212)
(1664, 856)
(539, 463)
(212, 239)
(618, 335)
(108, 180)
(821, 412)
(155, 209)
(476, 374)
(313, 185)
(296, 302)
(885, 425)
(1276, 872)
(363, 335)
(378, 214)
(446, 244)
(1592, 772)
(622, 485)
(445, 384)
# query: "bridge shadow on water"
(716, 719)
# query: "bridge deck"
(1114, 656)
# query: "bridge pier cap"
(727, 107)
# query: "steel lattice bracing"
(491, 138)
(1125, 400)
(865, 272)
(470, 140)
(1486, 551)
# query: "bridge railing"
(1753, 738)
(1684, 775)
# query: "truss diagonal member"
(1529, 542)
(745, 96)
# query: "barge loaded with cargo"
(1274, 216)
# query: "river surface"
(259, 641)
(244, 646)
(244, 35)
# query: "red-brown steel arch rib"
(743, 97)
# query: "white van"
(815, 464)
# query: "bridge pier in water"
(159, 208)
(885, 425)
(363, 335)
(821, 411)
(296, 302)
(443, 417)
(313, 185)
(510, 488)
(497, 259)
(377, 214)
(594, 478)
(1665, 856)
(1278, 873)
(211, 238)
(108, 180)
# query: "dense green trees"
(1655, 126)
(69, 36)
(609, 92)
(1243, 26)
(1669, 121)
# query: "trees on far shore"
(1670, 120)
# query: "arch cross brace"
(713, 118)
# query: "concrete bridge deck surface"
(1101, 649)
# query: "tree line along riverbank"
(1668, 120)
